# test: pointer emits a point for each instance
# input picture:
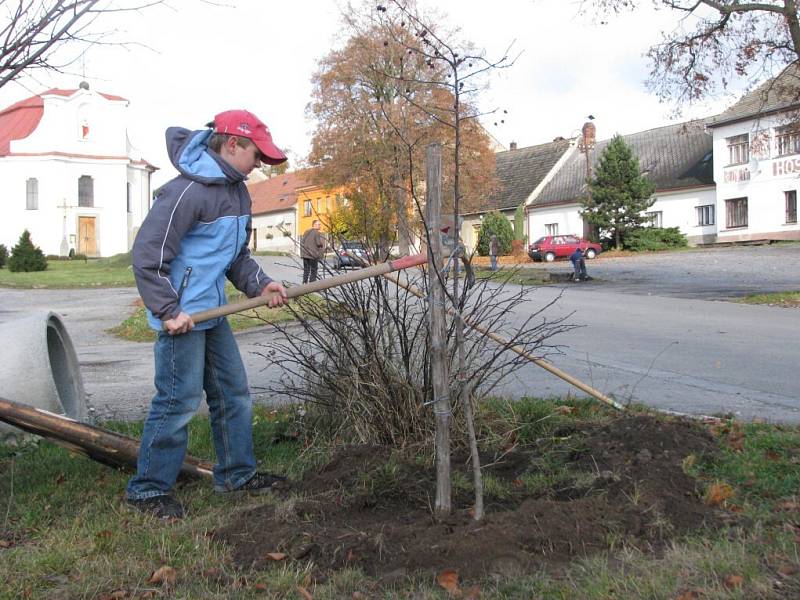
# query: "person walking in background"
(494, 251)
(312, 250)
(578, 265)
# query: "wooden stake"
(440, 374)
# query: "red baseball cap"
(245, 124)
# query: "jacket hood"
(190, 154)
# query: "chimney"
(512, 146)
(588, 135)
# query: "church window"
(85, 191)
(32, 194)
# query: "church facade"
(69, 174)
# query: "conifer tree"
(25, 256)
(3, 255)
(620, 193)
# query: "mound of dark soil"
(369, 509)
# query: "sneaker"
(260, 483)
(162, 507)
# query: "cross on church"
(64, 249)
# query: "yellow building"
(315, 202)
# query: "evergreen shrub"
(495, 223)
(26, 257)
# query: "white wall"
(679, 209)
(566, 216)
(273, 223)
(762, 181)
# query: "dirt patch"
(371, 509)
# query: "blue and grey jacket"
(195, 235)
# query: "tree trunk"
(617, 244)
(438, 330)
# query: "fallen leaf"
(304, 593)
(772, 455)
(789, 505)
(565, 410)
(6, 544)
(350, 555)
(735, 508)
(689, 595)
(787, 570)
(276, 555)
(166, 576)
(518, 483)
(260, 587)
(733, 581)
(103, 534)
(473, 593)
(448, 579)
(115, 595)
(718, 493)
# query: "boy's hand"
(275, 287)
(180, 324)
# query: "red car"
(551, 247)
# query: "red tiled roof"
(19, 120)
(277, 193)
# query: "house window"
(736, 213)
(705, 214)
(791, 206)
(551, 228)
(307, 208)
(738, 149)
(654, 218)
(32, 194)
(85, 191)
(128, 196)
(787, 140)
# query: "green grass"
(71, 536)
(521, 276)
(785, 299)
(114, 271)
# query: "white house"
(69, 174)
(275, 212)
(521, 173)
(757, 162)
(676, 158)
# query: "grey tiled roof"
(673, 157)
(520, 171)
(779, 93)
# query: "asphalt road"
(654, 330)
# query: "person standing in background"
(312, 250)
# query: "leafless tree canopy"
(718, 41)
(33, 32)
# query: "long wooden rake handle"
(315, 286)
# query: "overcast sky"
(260, 55)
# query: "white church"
(69, 174)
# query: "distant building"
(69, 174)
(676, 158)
(521, 173)
(275, 212)
(757, 162)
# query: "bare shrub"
(359, 360)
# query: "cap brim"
(270, 152)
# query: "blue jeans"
(493, 258)
(187, 364)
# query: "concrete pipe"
(40, 368)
